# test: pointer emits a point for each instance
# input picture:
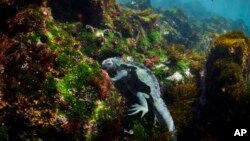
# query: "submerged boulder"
(177, 28)
(87, 11)
(228, 62)
(227, 76)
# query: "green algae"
(155, 37)
(75, 52)
(140, 132)
(144, 42)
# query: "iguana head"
(111, 64)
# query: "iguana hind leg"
(142, 106)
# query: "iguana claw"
(136, 108)
(155, 120)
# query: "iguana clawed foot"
(136, 108)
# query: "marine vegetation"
(176, 77)
(227, 83)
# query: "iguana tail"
(163, 116)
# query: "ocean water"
(230, 9)
(76, 70)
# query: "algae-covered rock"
(227, 95)
(49, 89)
(52, 86)
(88, 11)
(147, 17)
(139, 4)
(177, 28)
(229, 52)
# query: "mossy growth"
(230, 79)
(184, 96)
(81, 97)
(94, 44)
(160, 70)
(161, 74)
(143, 43)
(48, 77)
(29, 19)
(139, 132)
(227, 63)
(89, 43)
(33, 37)
(32, 70)
(73, 87)
(182, 65)
(147, 21)
(113, 42)
(146, 129)
(197, 61)
(124, 23)
(147, 16)
(179, 58)
(76, 69)
(172, 59)
(175, 53)
(232, 45)
(59, 35)
(158, 52)
(108, 20)
(155, 37)
(226, 83)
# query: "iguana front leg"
(120, 74)
(142, 106)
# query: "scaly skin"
(127, 73)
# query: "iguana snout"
(109, 65)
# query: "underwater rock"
(232, 47)
(226, 79)
(147, 17)
(28, 88)
(45, 92)
(130, 59)
(227, 66)
(128, 24)
(151, 61)
(176, 77)
(87, 11)
(179, 21)
(177, 28)
(188, 73)
(52, 87)
(10, 8)
(104, 84)
(139, 4)
(30, 19)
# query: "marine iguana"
(141, 82)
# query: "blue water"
(230, 9)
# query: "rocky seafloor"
(52, 86)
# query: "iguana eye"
(109, 64)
